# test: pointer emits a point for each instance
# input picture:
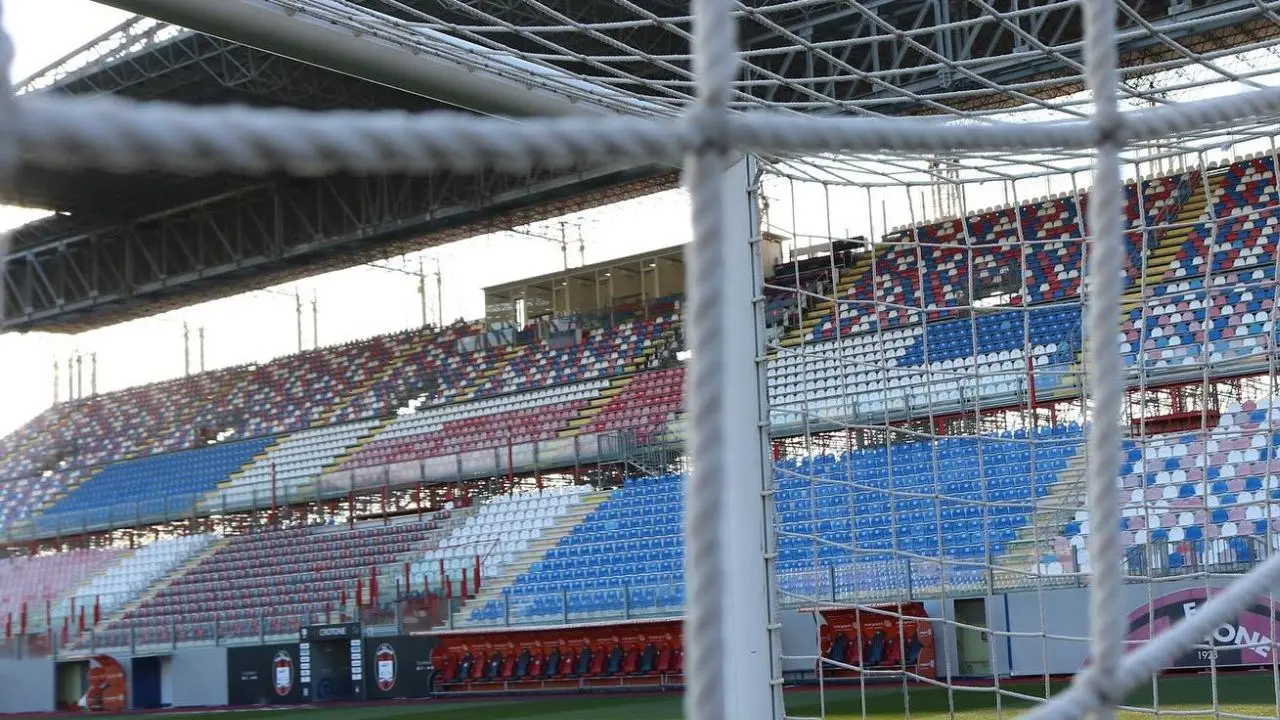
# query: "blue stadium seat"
(153, 487)
(627, 555)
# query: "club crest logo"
(385, 660)
(282, 672)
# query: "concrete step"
(822, 308)
(386, 370)
(164, 582)
(597, 405)
(1052, 512)
(550, 538)
(355, 446)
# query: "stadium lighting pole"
(564, 245)
(439, 296)
(297, 301)
(422, 291)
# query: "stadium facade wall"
(188, 677)
(263, 675)
(799, 640)
(1061, 612)
(398, 667)
(27, 685)
(198, 677)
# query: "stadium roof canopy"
(123, 247)
(599, 287)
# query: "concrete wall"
(1032, 633)
(166, 681)
(198, 677)
(799, 640)
(27, 685)
(1064, 615)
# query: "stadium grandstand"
(497, 505)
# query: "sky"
(364, 301)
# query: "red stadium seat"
(631, 661)
(599, 658)
(665, 659)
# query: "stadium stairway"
(1051, 513)
(192, 562)
(61, 604)
(1158, 260)
(116, 613)
(618, 385)
(288, 468)
(349, 451)
(827, 305)
(550, 538)
(1172, 239)
(79, 479)
(385, 371)
(597, 405)
(262, 454)
(506, 355)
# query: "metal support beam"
(269, 27)
(270, 233)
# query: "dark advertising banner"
(337, 631)
(331, 658)
(1244, 640)
(398, 667)
(263, 675)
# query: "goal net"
(930, 344)
(977, 425)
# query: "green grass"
(1251, 694)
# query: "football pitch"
(1190, 695)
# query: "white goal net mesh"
(1021, 408)
(930, 403)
